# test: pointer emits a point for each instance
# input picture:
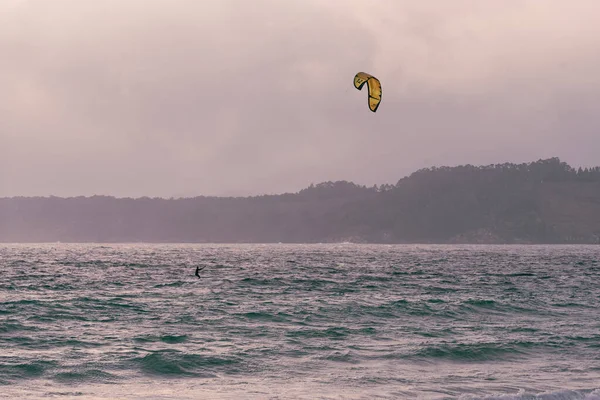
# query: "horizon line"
(172, 198)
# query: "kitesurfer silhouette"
(198, 269)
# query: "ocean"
(279, 321)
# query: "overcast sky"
(237, 97)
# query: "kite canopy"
(374, 88)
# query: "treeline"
(540, 202)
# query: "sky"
(180, 98)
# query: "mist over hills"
(546, 201)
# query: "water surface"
(299, 321)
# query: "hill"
(539, 202)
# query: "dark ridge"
(540, 202)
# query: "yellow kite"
(374, 88)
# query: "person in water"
(198, 269)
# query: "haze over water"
(299, 321)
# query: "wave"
(592, 394)
(178, 364)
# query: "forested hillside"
(541, 202)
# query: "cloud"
(157, 97)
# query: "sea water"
(330, 321)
